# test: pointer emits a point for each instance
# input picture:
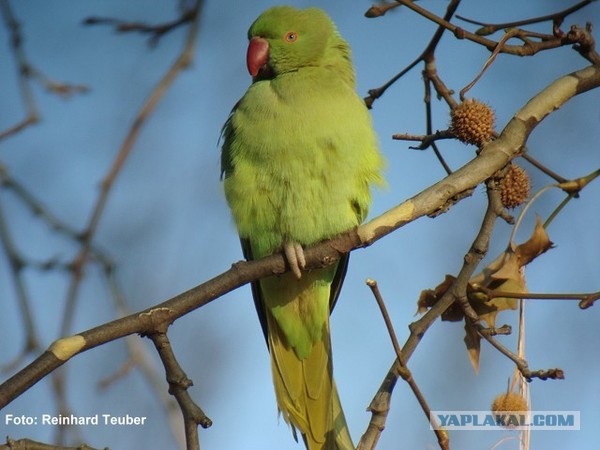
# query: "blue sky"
(167, 226)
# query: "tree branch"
(26, 72)
(155, 31)
(557, 18)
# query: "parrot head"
(284, 39)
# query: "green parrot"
(299, 156)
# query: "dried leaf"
(430, 297)
(473, 342)
(538, 243)
(506, 274)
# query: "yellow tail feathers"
(306, 393)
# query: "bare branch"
(27, 72)
(31, 115)
(16, 265)
(368, 441)
(425, 56)
(557, 18)
(157, 94)
(527, 49)
(156, 32)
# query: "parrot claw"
(294, 254)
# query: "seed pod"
(515, 187)
(472, 122)
(506, 404)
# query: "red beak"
(257, 55)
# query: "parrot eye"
(291, 36)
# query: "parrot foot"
(294, 254)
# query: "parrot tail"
(306, 394)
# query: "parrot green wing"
(256, 292)
(338, 280)
(225, 137)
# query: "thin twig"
(181, 63)
(558, 17)
(571, 187)
(426, 140)
(39, 209)
(31, 114)
(425, 56)
(26, 73)
(156, 32)
(380, 10)
(80, 260)
(491, 294)
(577, 37)
(530, 159)
(405, 373)
(508, 35)
(15, 266)
(585, 299)
(429, 125)
(523, 385)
